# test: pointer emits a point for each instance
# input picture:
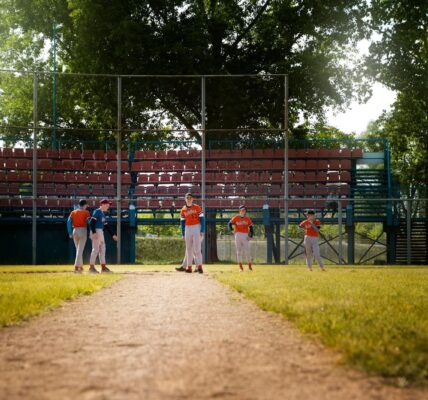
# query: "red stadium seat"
(153, 178)
(245, 165)
(4, 203)
(68, 164)
(345, 176)
(193, 153)
(279, 153)
(322, 176)
(345, 164)
(310, 176)
(165, 178)
(345, 153)
(92, 178)
(177, 165)
(10, 164)
(333, 177)
(247, 153)
(278, 164)
(323, 164)
(258, 153)
(44, 164)
(212, 165)
(99, 155)
(334, 164)
(143, 178)
(277, 177)
(176, 177)
(87, 155)
(161, 155)
(300, 164)
(299, 176)
(186, 177)
(357, 153)
(324, 153)
(312, 164)
(312, 153)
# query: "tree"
(399, 60)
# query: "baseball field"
(169, 332)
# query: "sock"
(250, 266)
(103, 266)
(241, 267)
(92, 266)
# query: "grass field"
(376, 317)
(23, 295)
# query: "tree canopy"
(307, 39)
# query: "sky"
(358, 116)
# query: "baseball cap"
(242, 207)
(188, 195)
(82, 202)
(311, 212)
(105, 201)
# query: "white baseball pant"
(80, 236)
(193, 244)
(312, 249)
(242, 244)
(98, 248)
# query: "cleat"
(93, 270)
(188, 270)
(105, 270)
(78, 270)
(241, 268)
(250, 267)
(180, 269)
(199, 269)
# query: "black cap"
(243, 208)
(82, 202)
(310, 212)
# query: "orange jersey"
(242, 224)
(79, 218)
(191, 214)
(309, 231)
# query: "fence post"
(286, 249)
(119, 169)
(34, 197)
(409, 231)
(339, 216)
(203, 158)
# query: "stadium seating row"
(62, 165)
(110, 155)
(7, 153)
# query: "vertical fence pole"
(286, 250)
(34, 197)
(409, 231)
(119, 168)
(203, 155)
(339, 216)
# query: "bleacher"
(154, 180)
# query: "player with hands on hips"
(312, 227)
(192, 221)
(243, 230)
(97, 224)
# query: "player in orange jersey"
(192, 223)
(242, 228)
(77, 228)
(312, 227)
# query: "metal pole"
(203, 155)
(119, 168)
(54, 144)
(339, 216)
(34, 197)
(409, 231)
(286, 249)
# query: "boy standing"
(312, 227)
(192, 223)
(78, 231)
(243, 233)
(97, 224)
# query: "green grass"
(24, 295)
(376, 317)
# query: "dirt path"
(172, 336)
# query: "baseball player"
(78, 231)
(243, 230)
(312, 227)
(97, 224)
(192, 223)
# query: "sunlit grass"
(376, 317)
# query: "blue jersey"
(100, 218)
